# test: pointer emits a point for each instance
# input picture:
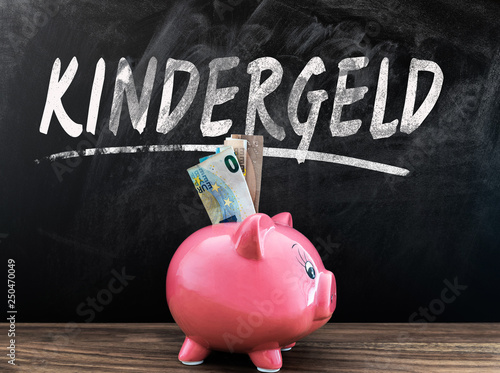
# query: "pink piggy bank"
(254, 287)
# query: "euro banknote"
(222, 188)
(217, 151)
(254, 158)
(240, 150)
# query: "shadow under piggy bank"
(254, 287)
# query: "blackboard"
(408, 222)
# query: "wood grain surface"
(334, 348)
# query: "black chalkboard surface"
(406, 214)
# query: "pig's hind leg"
(288, 347)
(192, 353)
(267, 360)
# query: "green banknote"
(222, 188)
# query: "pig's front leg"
(192, 353)
(267, 360)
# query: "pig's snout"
(326, 296)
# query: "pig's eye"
(306, 264)
(310, 270)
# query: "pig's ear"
(250, 236)
(284, 218)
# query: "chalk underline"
(268, 152)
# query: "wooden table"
(334, 348)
